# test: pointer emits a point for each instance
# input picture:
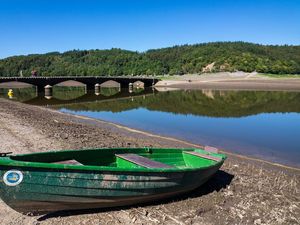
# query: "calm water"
(260, 124)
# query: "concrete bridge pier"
(97, 89)
(130, 87)
(48, 91)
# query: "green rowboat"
(94, 178)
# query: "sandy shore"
(231, 81)
(244, 191)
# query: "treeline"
(209, 57)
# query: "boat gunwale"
(9, 162)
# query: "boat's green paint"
(103, 180)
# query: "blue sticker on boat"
(13, 177)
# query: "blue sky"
(39, 26)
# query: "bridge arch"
(70, 83)
(110, 84)
(15, 84)
(67, 90)
(110, 88)
(138, 84)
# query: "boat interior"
(127, 158)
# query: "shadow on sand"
(218, 182)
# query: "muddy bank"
(244, 191)
(242, 85)
(231, 81)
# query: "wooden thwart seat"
(211, 149)
(205, 156)
(142, 161)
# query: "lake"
(262, 124)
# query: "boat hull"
(47, 190)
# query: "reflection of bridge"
(90, 82)
(87, 98)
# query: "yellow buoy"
(10, 93)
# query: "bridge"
(90, 82)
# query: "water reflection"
(109, 91)
(205, 103)
(68, 96)
(196, 102)
(137, 89)
(68, 93)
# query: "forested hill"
(209, 57)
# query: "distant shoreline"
(231, 81)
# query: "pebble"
(257, 221)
